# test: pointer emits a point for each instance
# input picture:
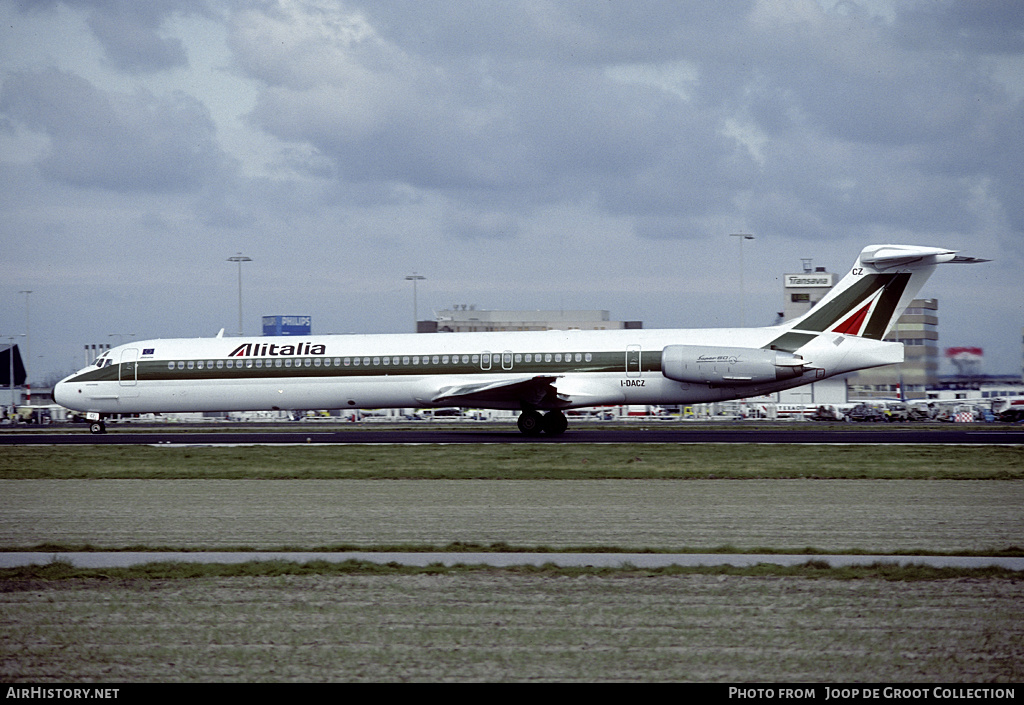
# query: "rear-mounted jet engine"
(703, 364)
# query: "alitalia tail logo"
(274, 350)
(856, 321)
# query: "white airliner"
(539, 373)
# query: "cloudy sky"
(518, 154)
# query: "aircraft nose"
(62, 393)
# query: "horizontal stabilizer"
(883, 257)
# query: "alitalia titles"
(274, 350)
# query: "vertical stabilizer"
(874, 293)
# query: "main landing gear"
(533, 423)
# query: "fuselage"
(585, 368)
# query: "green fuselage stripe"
(265, 368)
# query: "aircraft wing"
(529, 392)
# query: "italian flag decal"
(856, 322)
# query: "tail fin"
(869, 299)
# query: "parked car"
(864, 412)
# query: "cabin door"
(128, 370)
(633, 361)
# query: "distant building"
(469, 319)
(802, 291)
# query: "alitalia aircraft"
(539, 373)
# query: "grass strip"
(517, 461)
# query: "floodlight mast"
(239, 258)
(743, 314)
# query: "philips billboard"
(287, 325)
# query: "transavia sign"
(796, 281)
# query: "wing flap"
(528, 392)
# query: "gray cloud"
(345, 144)
(123, 142)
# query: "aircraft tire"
(97, 427)
(555, 423)
(530, 423)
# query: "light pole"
(743, 314)
(414, 277)
(239, 258)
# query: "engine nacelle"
(705, 364)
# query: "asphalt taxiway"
(953, 434)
